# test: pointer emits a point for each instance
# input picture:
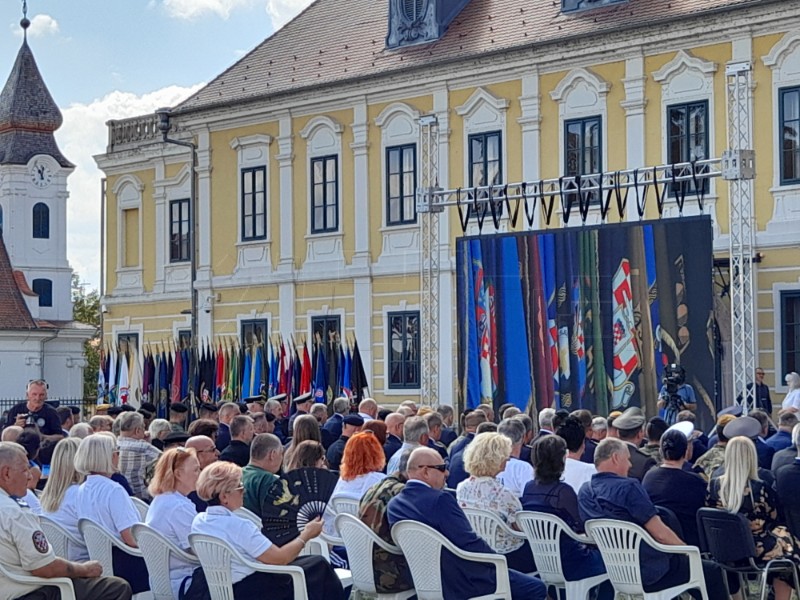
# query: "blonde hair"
(62, 474)
(741, 467)
(486, 454)
(170, 461)
(96, 454)
(218, 478)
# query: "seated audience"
(394, 434)
(305, 427)
(671, 486)
(135, 452)
(171, 513)
(25, 549)
(158, 430)
(391, 570)
(782, 438)
(351, 424)
(484, 459)
(242, 432)
(750, 428)
(207, 453)
(599, 429)
(449, 434)
(435, 424)
(206, 427)
(423, 500)
(471, 422)
(548, 494)
(221, 486)
(415, 434)
(787, 484)
(31, 441)
(80, 430)
(611, 494)
(457, 473)
(629, 426)
(361, 467)
(341, 406)
(764, 451)
(739, 490)
(714, 456)
(59, 499)
(377, 427)
(308, 454)
(516, 473)
(656, 427)
(697, 439)
(576, 471)
(266, 457)
(106, 503)
(226, 413)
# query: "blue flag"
(320, 375)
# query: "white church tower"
(38, 338)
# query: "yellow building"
(308, 157)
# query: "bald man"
(394, 434)
(423, 500)
(11, 433)
(368, 409)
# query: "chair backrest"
(141, 506)
(726, 536)
(215, 556)
(340, 505)
(60, 539)
(359, 540)
(422, 547)
(157, 551)
(619, 543)
(63, 584)
(670, 519)
(786, 481)
(248, 514)
(488, 526)
(98, 543)
(544, 537)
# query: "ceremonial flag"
(305, 372)
(135, 385)
(101, 379)
(246, 380)
(347, 389)
(626, 352)
(320, 375)
(548, 257)
(123, 379)
(112, 377)
(177, 376)
(256, 370)
(219, 374)
(483, 320)
(358, 377)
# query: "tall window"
(583, 148)
(401, 184)
(41, 221)
(43, 287)
(184, 338)
(790, 135)
(688, 139)
(485, 162)
(127, 342)
(179, 236)
(790, 336)
(404, 354)
(324, 194)
(254, 331)
(254, 204)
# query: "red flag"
(219, 383)
(305, 373)
(282, 387)
(177, 376)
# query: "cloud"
(192, 9)
(283, 11)
(83, 135)
(41, 25)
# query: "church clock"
(41, 174)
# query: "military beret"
(209, 406)
(354, 420)
(114, 411)
(176, 437)
(178, 407)
(127, 408)
(632, 418)
(148, 406)
(742, 427)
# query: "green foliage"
(86, 309)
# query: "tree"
(86, 309)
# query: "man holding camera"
(675, 395)
(36, 412)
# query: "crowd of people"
(409, 463)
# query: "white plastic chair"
(315, 546)
(341, 504)
(422, 547)
(490, 527)
(359, 540)
(248, 514)
(157, 551)
(60, 539)
(64, 584)
(141, 506)
(619, 543)
(544, 536)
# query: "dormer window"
(576, 5)
(414, 22)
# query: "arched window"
(41, 221)
(43, 287)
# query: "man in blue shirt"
(611, 494)
(423, 500)
(782, 438)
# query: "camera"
(674, 377)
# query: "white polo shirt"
(23, 545)
(576, 473)
(516, 474)
(67, 517)
(171, 514)
(241, 534)
(106, 503)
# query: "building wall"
(367, 269)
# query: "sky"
(112, 59)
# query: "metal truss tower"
(614, 190)
(738, 167)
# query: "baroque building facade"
(308, 158)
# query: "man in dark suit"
(423, 500)
(394, 434)
(341, 406)
(630, 428)
(227, 412)
(242, 432)
(449, 433)
(471, 422)
(351, 425)
(787, 484)
(764, 451)
(302, 405)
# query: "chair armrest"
(124, 547)
(185, 556)
(583, 539)
(672, 549)
(390, 548)
(331, 539)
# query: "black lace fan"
(294, 500)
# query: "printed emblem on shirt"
(40, 542)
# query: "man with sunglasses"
(423, 500)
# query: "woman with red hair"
(361, 466)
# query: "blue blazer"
(392, 445)
(223, 437)
(439, 510)
(334, 425)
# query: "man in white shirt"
(576, 472)
(24, 549)
(368, 409)
(415, 435)
(517, 472)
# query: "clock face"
(41, 174)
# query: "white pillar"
(360, 148)
(530, 123)
(634, 105)
(285, 160)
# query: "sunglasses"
(441, 468)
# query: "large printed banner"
(587, 318)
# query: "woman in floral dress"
(740, 491)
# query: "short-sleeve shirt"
(23, 545)
(46, 419)
(134, 456)
(515, 476)
(487, 493)
(241, 534)
(171, 514)
(67, 517)
(257, 483)
(107, 504)
(609, 496)
(576, 473)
